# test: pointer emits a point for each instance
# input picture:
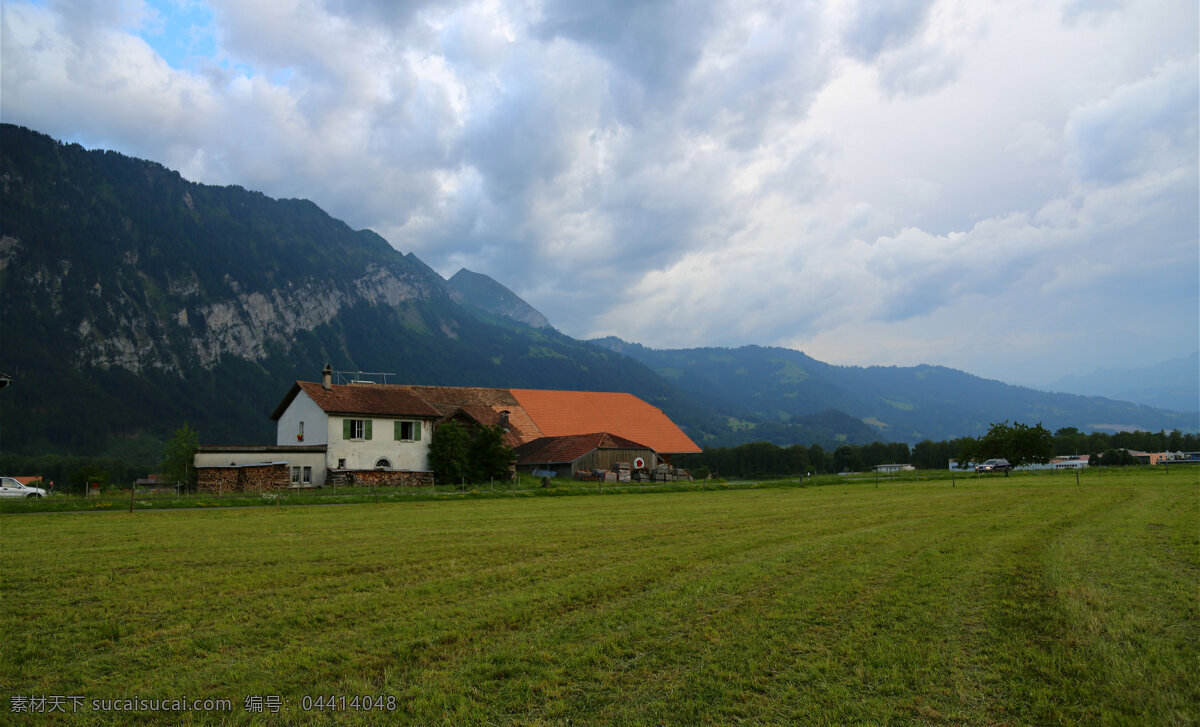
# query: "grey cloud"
(918, 69)
(1075, 11)
(879, 25)
(397, 14)
(655, 43)
(1149, 125)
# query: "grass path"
(1019, 601)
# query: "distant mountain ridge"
(903, 403)
(1173, 384)
(132, 300)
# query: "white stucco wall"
(316, 423)
(362, 454)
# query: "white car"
(10, 487)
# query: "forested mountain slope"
(903, 403)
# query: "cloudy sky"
(1010, 188)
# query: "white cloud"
(873, 182)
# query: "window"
(408, 431)
(383, 463)
(295, 475)
(356, 429)
(307, 476)
(341, 464)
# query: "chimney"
(327, 378)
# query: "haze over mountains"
(1173, 384)
(132, 300)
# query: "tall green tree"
(489, 456)
(1019, 443)
(449, 452)
(179, 456)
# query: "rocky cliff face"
(138, 269)
(244, 325)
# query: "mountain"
(777, 385)
(1173, 384)
(487, 295)
(132, 300)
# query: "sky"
(1008, 188)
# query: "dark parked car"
(994, 465)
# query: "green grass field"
(1024, 600)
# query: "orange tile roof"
(563, 413)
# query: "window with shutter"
(356, 429)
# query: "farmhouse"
(364, 432)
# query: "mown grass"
(522, 486)
(996, 601)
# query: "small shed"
(568, 455)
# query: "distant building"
(887, 468)
(1064, 462)
(1156, 458)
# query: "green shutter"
(416, 431)
(396, 431)
(368, 432)
(346, 429)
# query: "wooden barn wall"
(607, 459)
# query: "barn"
(570, 455)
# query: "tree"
(1113, 458)
(968, 451)
(448, 452)
(816, 456)
(847, 458)
(1019, 443)
(459, 453)
(489, 456)
(85, 475)
(179, 456)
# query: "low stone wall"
(379, 478)
(242, 478)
